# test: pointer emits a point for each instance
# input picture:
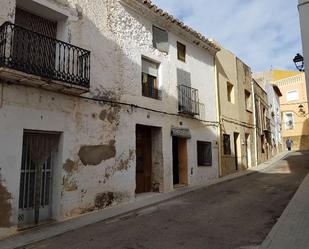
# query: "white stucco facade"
(303, 7)
(97, 141)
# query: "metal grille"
(36, 169)
(34, 53)
(188, 101)
(35, 23)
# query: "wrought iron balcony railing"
(188, 102)
(151, 92)
(33, 53)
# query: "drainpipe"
(218, 117)
(255, 125)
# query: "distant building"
(294, 109)
(262, 124)
(265, 79)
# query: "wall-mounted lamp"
(301, 109)
(299, 62)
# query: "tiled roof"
(176, 21)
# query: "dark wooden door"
(36, 52)
(175, 161)
(143, 159)
(236, 136)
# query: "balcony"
(30, 58)
(188, 102)
(151, 92)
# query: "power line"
(113, 102)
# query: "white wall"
(303, 8)
(117, 43)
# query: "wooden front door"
(143, 159)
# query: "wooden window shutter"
(160, 39)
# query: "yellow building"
(236, 114)
(294, 107)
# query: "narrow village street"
(234, 214)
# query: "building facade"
(263, 126)
(236, 113)
(294, 110)
(99, 102)
(265, 80)
(303, 8)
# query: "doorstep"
(140, 202)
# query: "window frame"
(292, 91)
(181, 46)
(285, 122)
(154, 43)
(248, 100)
(230, 92)
(205, 163)
(156, 94)
(229, 151)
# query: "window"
(181, 51)
(183, 78)
(150, 79)
(226, 144)
(204, 153)
(248, 100)
(160, 39)
(230, 92)
(289, 121)
(292, 95)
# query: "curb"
(292, 228)
(51, 230)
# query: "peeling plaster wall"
(95, 166)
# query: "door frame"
(143, 181)
(45, 213)
(182, 160)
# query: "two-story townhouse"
(263, 126)
(265, 79)
(99, 102)
(236, 113)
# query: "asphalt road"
(234, 214)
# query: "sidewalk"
(141, 202)
(292, 229)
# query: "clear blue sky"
(263, 33)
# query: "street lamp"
(299, 62)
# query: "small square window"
(181, 51)
(226, 144)
(204, 153)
